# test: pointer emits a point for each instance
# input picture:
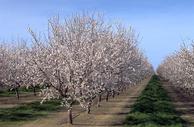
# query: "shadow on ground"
(184, 104)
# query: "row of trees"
(178, 68)
(80, 59)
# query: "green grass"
(28, 111)
(153, 108)
(6, 93)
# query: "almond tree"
(3, 63)
(13, 67)
(178, 69)
(83, 58)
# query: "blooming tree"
(179, 69)
(13, 67)
(81, 59)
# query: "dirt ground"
(112, 113)
(184, 104)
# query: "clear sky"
(161, 24)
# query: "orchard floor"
(9, 102)
(183, 104)
(109, 114)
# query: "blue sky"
(161, 24)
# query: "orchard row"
(80, 59)
(178, 68)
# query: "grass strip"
(28, 111)
(153, 108)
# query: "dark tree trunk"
(70, 118)
(113, 94)
(99, 100)
(88, 109)
(17, 93)
(107, 95)
(66, 90)
(122, 89)
(34, 90)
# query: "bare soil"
(184, 104)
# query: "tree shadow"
(184, 104)
(99, 124)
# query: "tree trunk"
(17, 93)
(99, 100)
(88, 109)
(70, 118)
(122, 89)
(113, 94)
(65, 93)
(34, 90)
(107, 94)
